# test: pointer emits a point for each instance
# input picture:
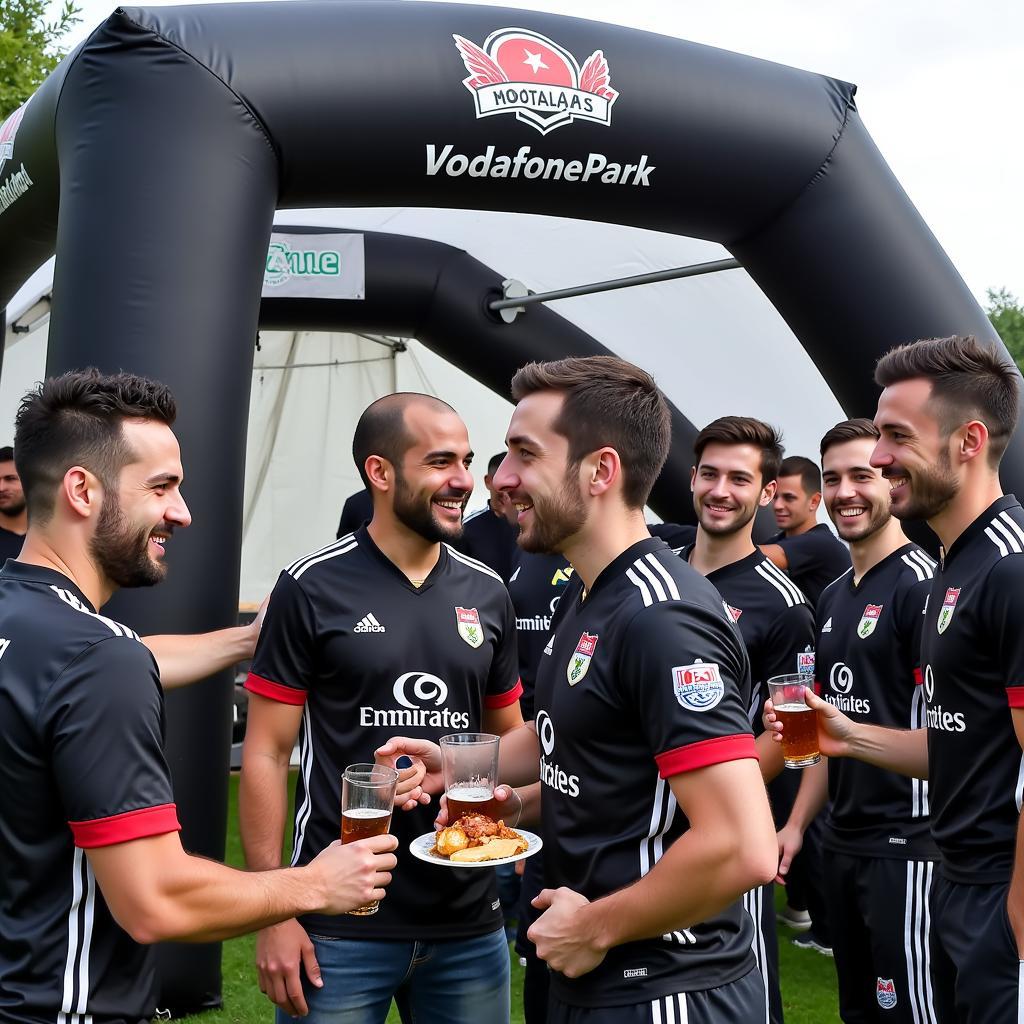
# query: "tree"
(28, 47)
(1007, 317)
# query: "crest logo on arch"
(521, 72)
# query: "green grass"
(808, 978)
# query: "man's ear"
(379, 472)
(81, 492)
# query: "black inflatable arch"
(170, 136)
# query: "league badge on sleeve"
(886, 992)
(869, 620)
(805, 661)
(698, 687)
(946, 611)
(468, 621)
(581, 658)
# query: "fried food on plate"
(476, 837)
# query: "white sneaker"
(798, 920)
(806, 942)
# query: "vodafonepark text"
(489, 164)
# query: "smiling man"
(946, 414)
(388, 627)
(880, 854)
(655, 816)
(737, 461)
(92, 862)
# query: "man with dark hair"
(946, 414)
(805, 548)
(655, 816)
(92, 862)
(876, 835)
(729, 484)
(487, 534)
(388, 625)
(13, 515)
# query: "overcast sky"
(940, 90)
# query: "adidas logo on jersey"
(550, 647)
(369, 624)
(827, 628)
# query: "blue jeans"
(455, 981)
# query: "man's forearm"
(811, 796)
(186, 659)
(519, 757)
(769, 755)
(904, 751)
(262, 808)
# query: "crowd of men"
(624, 667)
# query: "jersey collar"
(618, 565)
(365, 541)
(878, 566)
(29, 573)
(740, 567)
(976, 528)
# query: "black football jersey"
(81, 766)
(535, 587)
(647, 677)
(371, 656)
(815, 559)
(972, 653)
(11, 544)
(774, 618)
(869, 666)
(490, 539)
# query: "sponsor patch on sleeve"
(698, 687)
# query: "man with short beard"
(736, 462)
(93, 868)
(946, 414)
(388, 628)
(13, 516)
(876, 834)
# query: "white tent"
(715, 344)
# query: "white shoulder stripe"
(117, 628)
(1011, 538)
(835, 581)
(782, 583)
(641, 586)
(919, 570)
(310, 562)
(340, 542)
(670, 583)
(926, 563)
(473, 563)
(656, 586)
(1012, 525)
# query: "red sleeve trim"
(1015, 696)
(918, 676)
(706, 752)
(502, 700)
(274, 691)
(123, 828)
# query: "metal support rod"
(622, 282)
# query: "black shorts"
(880, 934)
(760, 905)
(736, 1003)
(976, 969)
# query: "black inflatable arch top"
(170, 136)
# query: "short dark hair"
(77, 420)
(803, 467)
(6, 453)
(969, 381)
(736, 430)
(381, 429)
(494, 462)
(859, 429)
(608, 402)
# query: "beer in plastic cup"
(367, 799)
(799, 722)
(470, 764)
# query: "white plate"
(421, 847)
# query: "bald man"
(389, 629)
